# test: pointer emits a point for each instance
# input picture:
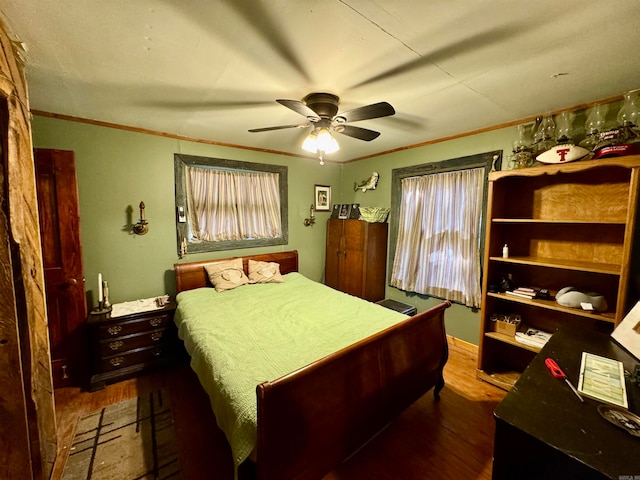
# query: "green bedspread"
(239, 338)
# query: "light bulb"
(326, 142)
(310, 143)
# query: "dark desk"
(544, 432)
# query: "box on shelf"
(506, 328)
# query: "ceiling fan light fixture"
(326, 142)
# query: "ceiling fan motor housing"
(324, 104)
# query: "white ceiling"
(212, 69)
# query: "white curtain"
(437, 250)
(232, 205)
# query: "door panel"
(333, 254)
(57, 190)
(353, 255)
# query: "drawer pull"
(155, 322)
(116, 361)
(156, 336)
(115, 345)
(157, 352)
(116, 329)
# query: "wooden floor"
(452, 438)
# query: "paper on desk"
(627, 333)
(137, 306)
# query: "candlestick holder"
(101, 309)
(105, 292)
(142, 227)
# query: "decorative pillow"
(264, 272)
(226, 275)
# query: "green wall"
(117, 169)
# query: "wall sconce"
(142, 227)
(308, 222)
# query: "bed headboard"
(193, 275)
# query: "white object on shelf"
(533, 337)
(505, 251)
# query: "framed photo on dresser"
(345, 210)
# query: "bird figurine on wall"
(368, 184)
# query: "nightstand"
(127, 345)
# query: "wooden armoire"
(356, 258)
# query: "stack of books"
(533, 337)
(524, 292)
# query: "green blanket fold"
(239, 338)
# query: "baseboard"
(470, 347)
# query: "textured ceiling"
(212, 69)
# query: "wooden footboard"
(311, 419)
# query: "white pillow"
(264, 272)
(226, 275)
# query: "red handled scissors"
(557, 372)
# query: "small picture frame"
(345, 210)
(322, 196)
(354, 213)
(336, 210)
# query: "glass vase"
(595, 124)
(629, 113)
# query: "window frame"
(182, 228)
(491, 161)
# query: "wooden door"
(62, 257)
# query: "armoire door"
(333, 253)
(58, 212)
(353, 250)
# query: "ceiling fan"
(321, 112)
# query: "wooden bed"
(313, 418)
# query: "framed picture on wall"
(322, 195)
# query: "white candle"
(99, 288)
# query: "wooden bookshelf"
(566, 225)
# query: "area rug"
(130, 440)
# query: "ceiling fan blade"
(300, 108)
(375, 110)
(279, 127)
(357, 132)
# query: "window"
(227, 204)
(437, 227)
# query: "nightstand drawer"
(123, 328)
(132, 357)
(130, 342)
